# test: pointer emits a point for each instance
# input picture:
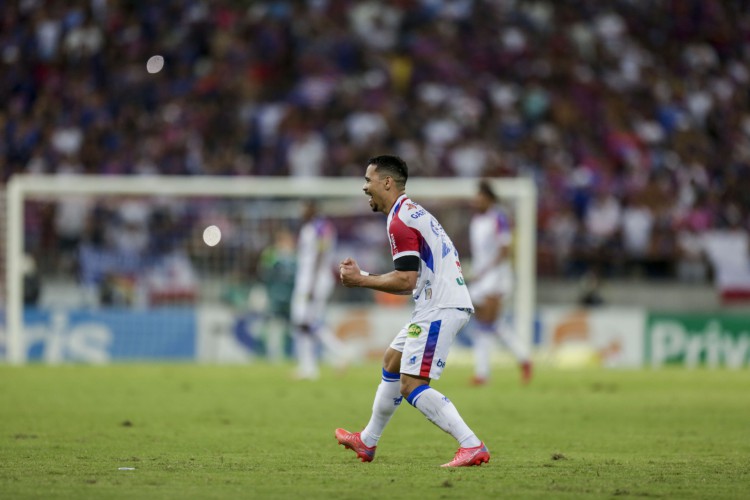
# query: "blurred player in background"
(491, 283)
(313, 285)
(427, 267)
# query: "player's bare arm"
(395, 282)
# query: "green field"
(251, 432)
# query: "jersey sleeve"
(502, 228)
(404, 240)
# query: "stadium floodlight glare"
(519, 193)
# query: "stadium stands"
(633, 117)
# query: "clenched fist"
(349, 272)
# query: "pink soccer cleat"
(352, 441)
(466, 457)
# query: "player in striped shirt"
(313, 284)
(427, 267)
(491, 283)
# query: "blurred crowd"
(633, 116)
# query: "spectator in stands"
(603, 223)
(637, 230)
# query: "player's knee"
(408, 385)
(406, 389)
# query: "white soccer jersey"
(412, 230)
(314, 279)
(489, 233)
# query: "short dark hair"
(393, 166)
(485, 188)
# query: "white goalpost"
(520, 193)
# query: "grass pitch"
(193, 431)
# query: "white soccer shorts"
(425, 342)
(498, 282)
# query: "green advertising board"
(698, 339)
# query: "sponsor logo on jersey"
(411, 206)
(414, 331)
(418, 214)
(394, 249)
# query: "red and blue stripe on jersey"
(407, 240)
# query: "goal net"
(105, 268)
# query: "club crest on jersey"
(436, 227)
(414, 331)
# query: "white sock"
(440, 411)
(307, 364)
(483, 344)
(387, 400)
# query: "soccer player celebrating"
(491, 283)
(313, 285)
(427, 266)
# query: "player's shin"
(483, 345)
(440, 411)
(387, 400)
(307, 363)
